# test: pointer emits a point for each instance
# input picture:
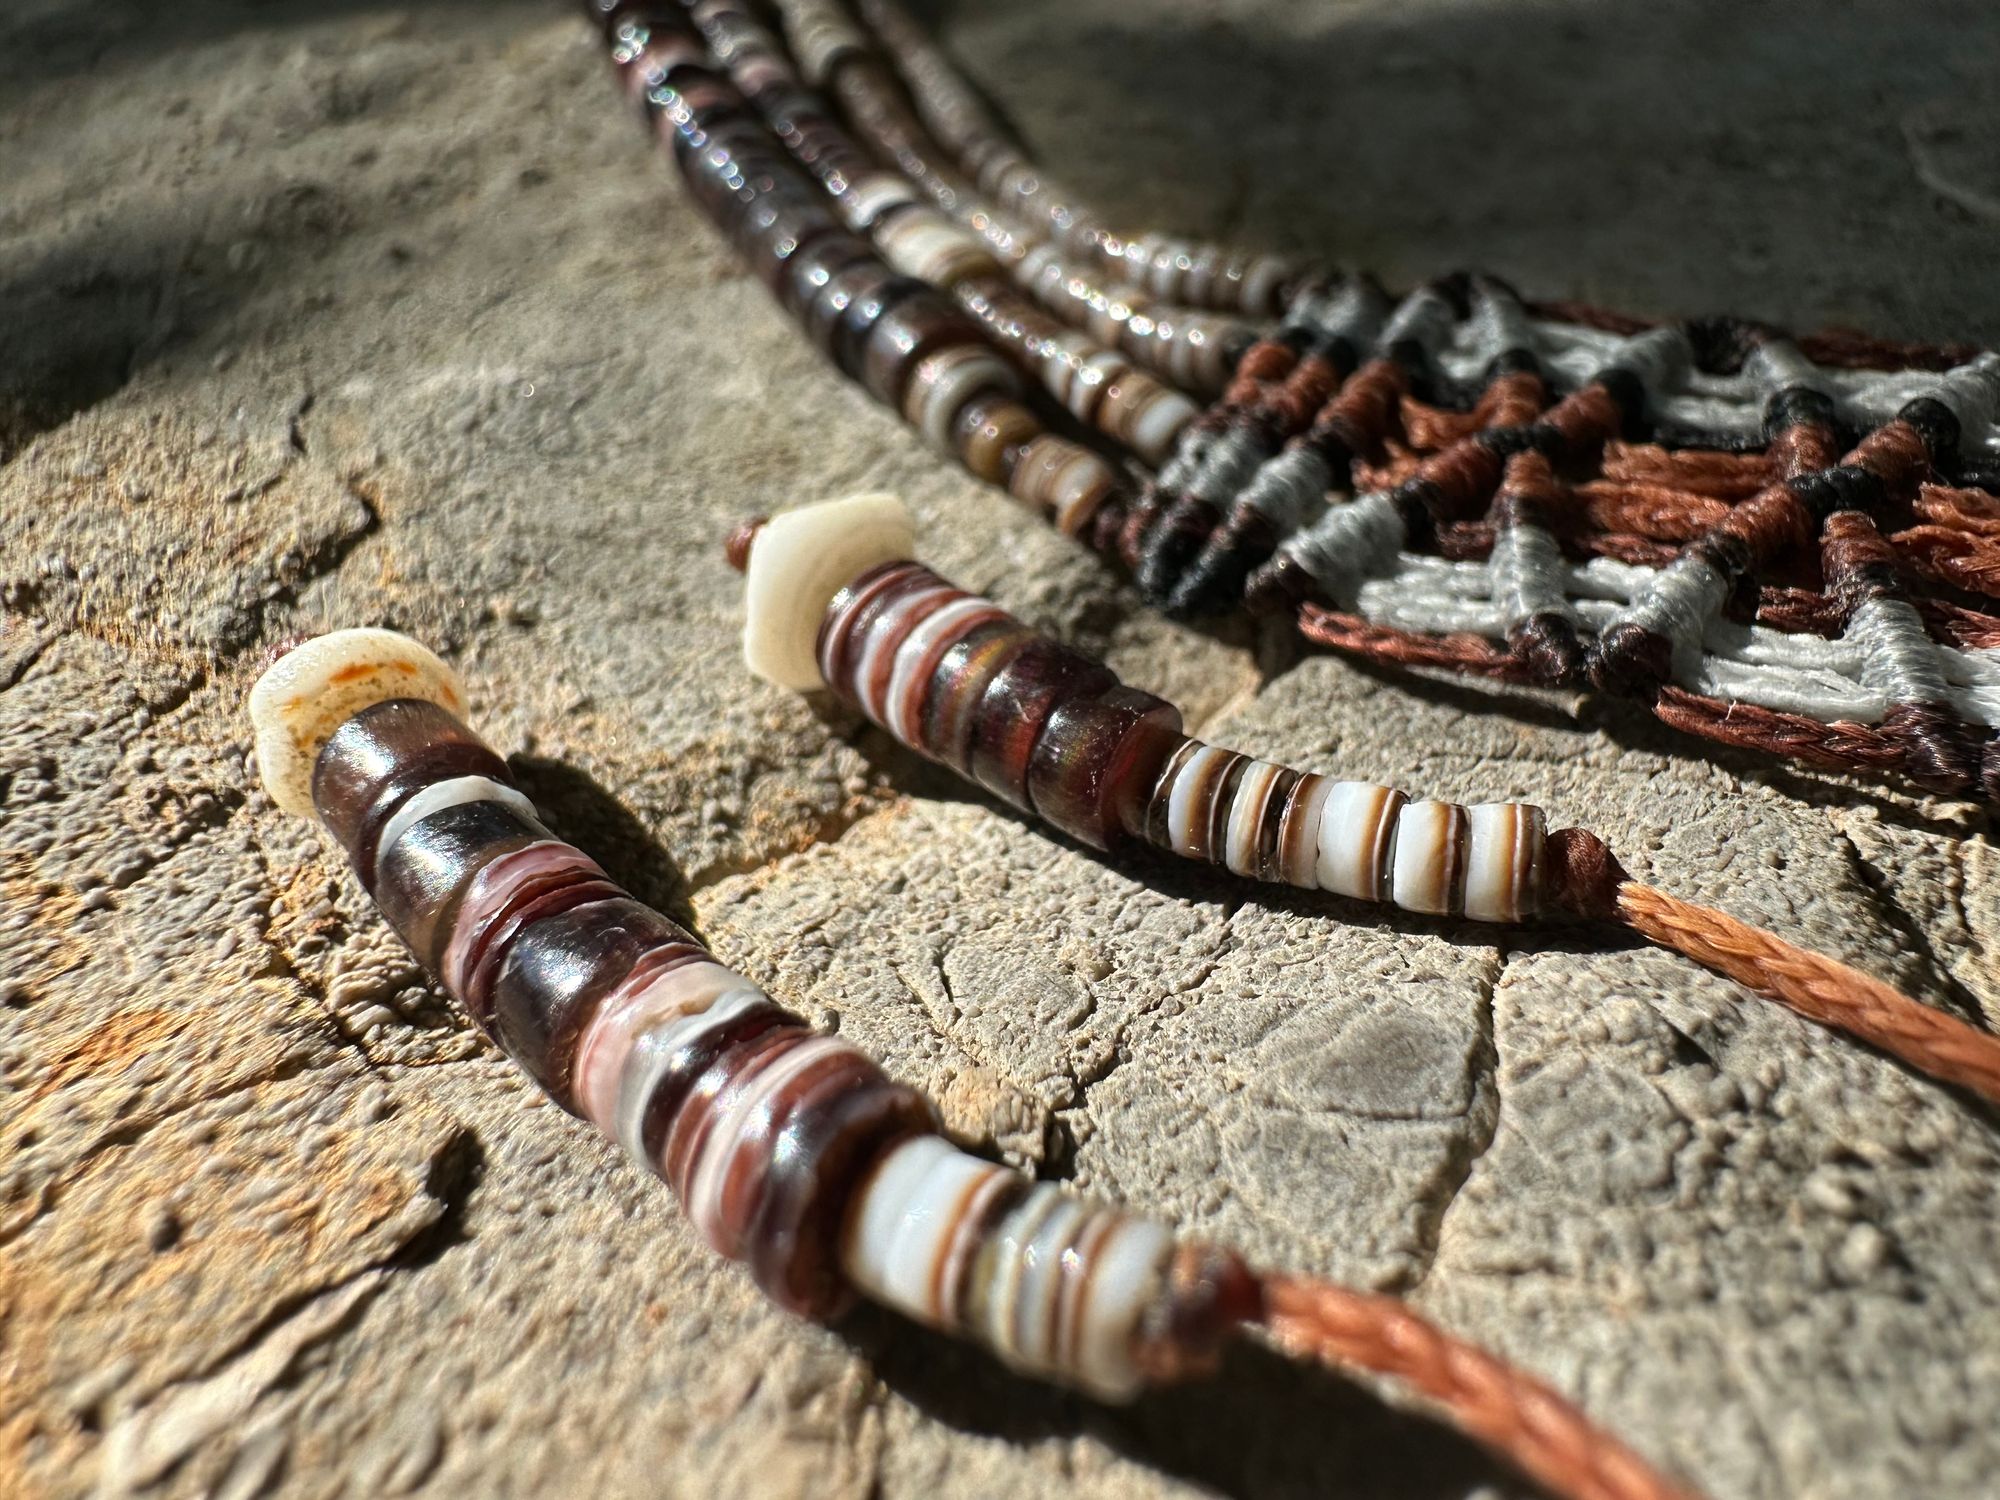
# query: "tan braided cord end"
(1818, 987)
(1508, 1410)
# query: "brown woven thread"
(1967, 510)
(1510, 401)
(1507, 1409)
(1838, 745)
(1951, 557)
(1582, 876)
(1970, 629)
(1718, 476)
(1461, 652)
(1819, 988)
(1365, 407)
(1654, 511)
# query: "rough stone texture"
(343, 312)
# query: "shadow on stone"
(1546, 143)
(1263, 1427)
(580, 811)
(63, 45)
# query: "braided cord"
(1510, 1411)
(1818, 987)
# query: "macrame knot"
(1583, 874)
(1549, 643)
(1210, 1293)
(1631, 660)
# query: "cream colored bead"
(1161, 422)
(1356, 838)
(915, 1219)
(798, 562)
(1429, 868)
(1503, 860)
(312, 690)
(1249, 815)
(1064, 1287)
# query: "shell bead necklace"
(834, 598)
(1785, 544)
(792, 1151)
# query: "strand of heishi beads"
(1182, 343)
(834, 598)
(1097, 384)
(792, 1151)
(1202, 275)
(906, 342)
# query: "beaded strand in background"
(834, 598)
(792, 1151)
(1787, 544)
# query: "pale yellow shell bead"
(798, 561)
(313, 689)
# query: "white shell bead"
(1430, 840)
(798, 561)
(311, 691)
(1503, 860)
(1356, 832)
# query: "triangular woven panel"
(1790, 544)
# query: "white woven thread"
(1855, 677)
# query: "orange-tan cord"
(1587, 880)
(1508, 1410)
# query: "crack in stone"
(1482, 1128)
(25, 664)
(322, 561)
(832, 827)
(1920, 127)
(1939, 979)
(158, 1437)
(132, 1131)
(1061, 1144)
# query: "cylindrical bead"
(944, 383)
(1503, 862)
(372, 764)
(1189, 813)
(1298, 831)
(1015, 707)
(1062, 480)
(521, 887)
(1428, 869)
(905, 334)
(556, 972)
(958, 682)
(1250, 837)
(989, 433)
(1357, 833)
(1097, 758)
(1053, 1284)
(1062, 1286)
(421, 878)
